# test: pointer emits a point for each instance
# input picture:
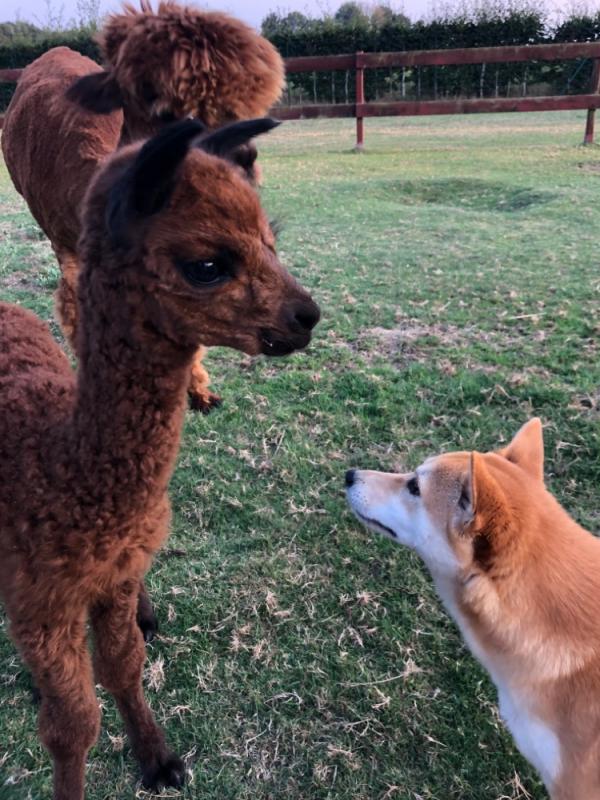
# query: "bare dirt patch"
(594, 168)
(450, 347)
(409, 343)
(19, 280)
(587, 404)
(413, 339)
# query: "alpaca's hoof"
(148, 624)
(204, 401)
(168, 770)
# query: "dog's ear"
(480, 495)
(527, 449)
(146, 186)
(488, 500)
(486, 515)
(97, 92)
(464, 513)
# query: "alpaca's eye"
(413, 487)
(166, 117)
(205, 273)
(148, 92)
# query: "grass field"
(456, 263)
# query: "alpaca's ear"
(527, 449)
(97, 92)
(146, 186)
(230, 140)
(245, 158)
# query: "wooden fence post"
(594, 89)
(8, 76)
(360, 99)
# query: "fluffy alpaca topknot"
(185, 61)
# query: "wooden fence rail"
(417, 58)
(10, 75)
(442, 58)
(474, 55)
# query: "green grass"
(456, 263)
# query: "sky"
(252, 11)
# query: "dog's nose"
(304, 315)
(350, 477)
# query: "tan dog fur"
(522, 581)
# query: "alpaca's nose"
(304, 315)
(350, 477)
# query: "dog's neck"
(535, 607)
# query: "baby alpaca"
(521, 580)
(160, 66)
(176, 252)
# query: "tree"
(270, 24)
(275, 23)
(11, 32)
(88, 14)
(351, 14)
(383, 14)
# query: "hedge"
(324, 37)
(20, 54)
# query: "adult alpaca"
(176, 252)
(159, 66)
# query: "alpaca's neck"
(130, 404)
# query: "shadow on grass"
(477, 195)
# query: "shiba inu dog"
(522, 581)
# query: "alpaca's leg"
(69, 717)
(146, 618)
(119, 656)
(65, 296)
(201, 398)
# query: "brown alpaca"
(202, 63)
(176, 252)
(183, 62)
(160, 66)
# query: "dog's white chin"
(373, 525)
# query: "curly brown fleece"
(160, 66)
(86, 459)
(188, 62)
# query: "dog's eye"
(413, 487)
(206, 273)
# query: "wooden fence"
(418, 58)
